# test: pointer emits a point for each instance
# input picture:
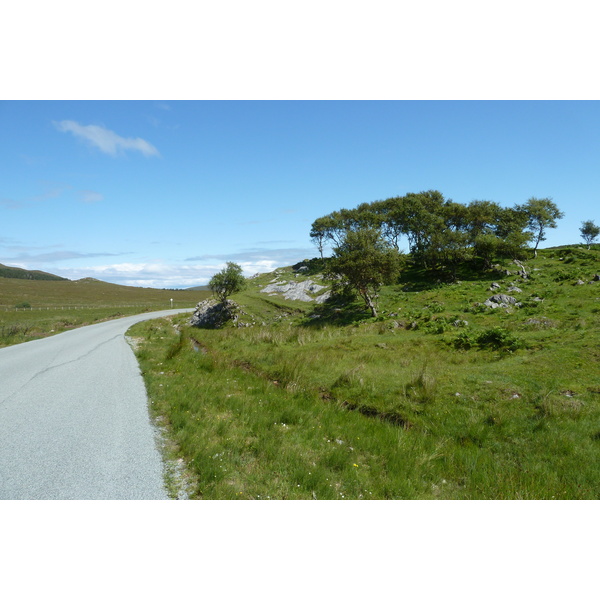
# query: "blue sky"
(162, 193)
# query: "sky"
(163, 193)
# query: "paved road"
(74, 419)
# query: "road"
(74, 420)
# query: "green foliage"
(444, 236)
(542, 214)
(227, 282)
(493, 338)
(364, 262)
(589, 232)
(23, 305)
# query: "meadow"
(440, 397)
(34, 308)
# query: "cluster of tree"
(442, 234)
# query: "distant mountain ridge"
(18, 273)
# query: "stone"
(212, 314)
(494, 286)
(323, 297)
(295, 290)
(514, 289)
(501, 301)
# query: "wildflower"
(355, 465)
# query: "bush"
(23, 305)
(494, 338)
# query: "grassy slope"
(63, 304)
(18, 273)
(345, 406)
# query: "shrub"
(495, 338)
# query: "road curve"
(74, 420)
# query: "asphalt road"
(74, 420)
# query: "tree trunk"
(369, 302)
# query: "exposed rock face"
(501, 301)
(295, 290)
(213, 314)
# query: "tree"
(542, 214)
(227, 282)
(363, 262)
(510, 227)
(589, 232)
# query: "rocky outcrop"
(295, 290)
(212, 314)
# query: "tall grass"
(382, 409)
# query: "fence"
(161, 306)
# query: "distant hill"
(18, 273)
(198, 288)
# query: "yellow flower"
(355, 465)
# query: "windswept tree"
(227, 282)
(542, 214)
(362, 263)
(589, 232)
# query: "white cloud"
(89, 197)
(146, 274)
(105, 140)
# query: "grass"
(440, 397)
(31, 309)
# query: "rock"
(213, 314)
(580, 282)
(460, 323)
(596, 277)
(501, 301)
(494, 286)
(514, 289)
(540, 323)
(323, 297)
(295, 290)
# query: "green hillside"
(440, 396)
(18, 273)
(33, 308)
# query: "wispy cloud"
(89, 197)
(282, 255)
(34, 260)
(105, 140)
(52, 191)
(146, 274)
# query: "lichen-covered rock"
(212, 314)
(294, 290)
(501, 301)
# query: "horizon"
(163, 193)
